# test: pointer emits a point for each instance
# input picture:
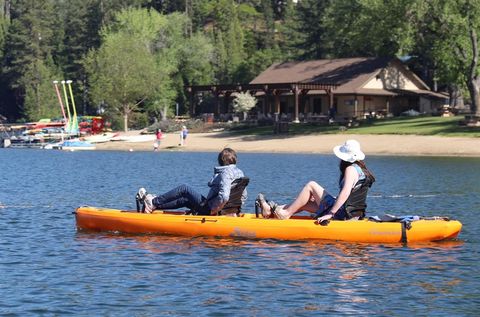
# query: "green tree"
(40, 99)
(220, 59)
(440, 34)
(169, 50)
(258, 62)
(368, 28)
(195, 65)
(28, 52)
(290, 32)
(75, 39)
(235, 47)
(268, 15)
(305, 29)
(168, 6)
(4, 20)
(449, 33)
(228, 39)
(125, 71)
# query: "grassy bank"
(441, 126)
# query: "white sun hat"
(349, 151)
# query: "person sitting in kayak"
(185, 196)
(355, 180)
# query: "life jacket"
(357, 201)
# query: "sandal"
(280, 213)
(259, 201)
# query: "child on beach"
(183, 136)
(185, 196)
(158, 139)
(355, 180)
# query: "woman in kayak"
(355, 180)
(184, 196)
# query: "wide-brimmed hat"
(349, 151)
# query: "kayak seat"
(234, 203)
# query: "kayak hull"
(248, 226)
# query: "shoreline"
(383, 145)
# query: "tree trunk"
(164, 114)
(125, 122)
(455, 95)
(474, 89)
(473, 83)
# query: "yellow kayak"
(248, 226)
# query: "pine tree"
(304, 29)
(268, 40)
(4, 20)
(28, 46)
(289, 31)
(220, 59)
(78, 38)
(5, 94)
(229, 40)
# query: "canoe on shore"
(134, 138)
(248, 226)
(100, 138)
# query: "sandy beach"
(404, 145)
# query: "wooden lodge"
(340, 89)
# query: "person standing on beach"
(355, 181)
(158, 139)
(183, 135)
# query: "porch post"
(226, 102)
(356, 105)
(303, 101)
(296, 93)
(277, 102)
(266, 99)
(217, 103)
(330, 101)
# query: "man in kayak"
(355, 180)
(184, 196)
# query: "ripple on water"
(48, 268)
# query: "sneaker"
(148, 203)
(281, 213)
(141, 194)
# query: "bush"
(137, 120)
(170, 126)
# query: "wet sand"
(404, 145)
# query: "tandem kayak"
(249, 226)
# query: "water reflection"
(45, 260)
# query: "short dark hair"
(227, 156)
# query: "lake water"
(47, 268)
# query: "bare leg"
(304, 200)
(308, 199)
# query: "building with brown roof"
(346, 88)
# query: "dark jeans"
(182, 196)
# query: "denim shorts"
(326, 205)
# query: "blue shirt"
(220, 186)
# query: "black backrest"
(234, 203)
